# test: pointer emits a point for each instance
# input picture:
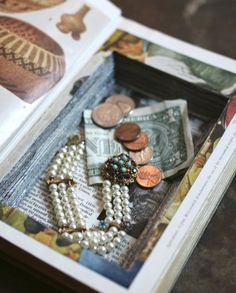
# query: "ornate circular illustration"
(27, 5)
(31, 62)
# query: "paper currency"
(168, 130)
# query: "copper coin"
(124, 102)
(107, 115)
(148, 176)
(142, 157)
(138, 144)
(127, 131)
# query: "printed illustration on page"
(33, 57)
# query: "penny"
(124, 102)
(142, 157)
(148, 176)
(107, 115)
(128, 131)
(138, 144)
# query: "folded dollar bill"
(168, 129)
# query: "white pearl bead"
(70, 174)
(125, 202)
(64, 150)
(109, 212)
(108, 220)
(72, 148)
(125, 196)
(53, 173)
(107, 198)
(94, 248)
(115, 187)
(117, 200)
(113, 229)
(107, 205)
(53, 187)
(68, 160)
(82, 224)
(62, 186)
(59, 215)
(116, 194)
(63, 193)
(72, 169)
(77, 158)
(65, 235)
(74, 164)
(117, 221)
(77, 213)
(101, 250)
(72, 225)
(56, 201)
(79, 217)
(72, 196)
(124, 189)
(85, 244)
(94, 242)
(77, 236)
(54, 193)
(103, 238)
(109, 235)
(118, 208)
(127, 210)
(106, 189)
(118, 215)
(69, 214)
(110, 246)
(62, 222)
(122, 234)
(117, 240)
(64, 171)
(57, 161)
(60, 156)
(88, 234)
(61, 177)
(127, 218)
(70, 189)
(64, 201)
(54, 167)
(96, 234)
(66, 165)
(58, 208)
(70, 154)
(80, 151)
(107, 183)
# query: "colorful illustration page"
(40, 44)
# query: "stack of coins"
(112, 111)
(136, 142)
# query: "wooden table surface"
(212, 266)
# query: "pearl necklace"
(63, 193)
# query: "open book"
(74, 54)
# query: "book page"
(41, 45)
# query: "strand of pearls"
(116, 203)
(67, 210)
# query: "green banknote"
(168, 130)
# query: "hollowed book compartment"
(117, 74)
